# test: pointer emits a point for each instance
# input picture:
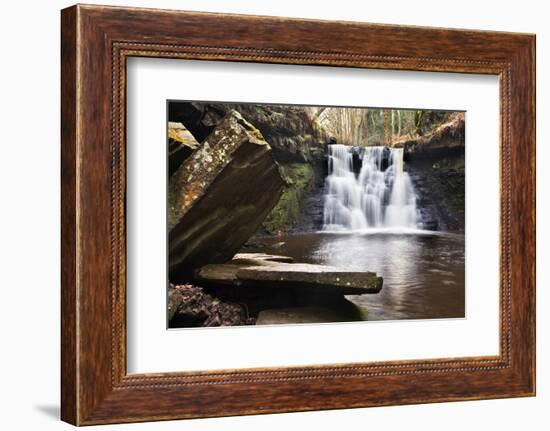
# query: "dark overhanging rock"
(200, 118)
(219, 196)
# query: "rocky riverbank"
(239, 173)
(226, 183)
(190, 306)
(298, 144)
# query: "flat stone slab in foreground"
(266, 271)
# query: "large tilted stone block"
(219, 196)
(181, 144)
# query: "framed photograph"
(322, 214)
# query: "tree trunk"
(399, 117)
(392, 125)
(366, 118)
(385, 122)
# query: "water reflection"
(423, 273)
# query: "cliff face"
(291, 133)
(298, 144)
(440, 187)
(436, 163)
(433, 150)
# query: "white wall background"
(29, 212)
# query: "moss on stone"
(252, 130)
(299, 179)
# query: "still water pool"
(423, 271)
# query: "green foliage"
(380, 126)
(299, 178)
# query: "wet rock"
(219, 196)
(189, 306)
(440, 187)
(358, 154)
(181, 143)
(263, 273)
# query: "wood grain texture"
(69, 397)
(96, 41)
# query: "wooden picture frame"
(95, 43)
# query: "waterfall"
(380, 196)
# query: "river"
(423, 272)
(372, 223)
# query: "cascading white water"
(401, 211)
(375, 198)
